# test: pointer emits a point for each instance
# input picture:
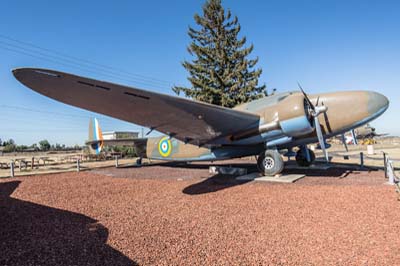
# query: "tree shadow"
(33, 234)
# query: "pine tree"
(220, 73)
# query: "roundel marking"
(165, 147)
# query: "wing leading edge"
(189, 121)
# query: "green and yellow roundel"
(165, 147)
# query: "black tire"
(270, 163)
(139, 162)
(301, 158)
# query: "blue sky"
(326, 45)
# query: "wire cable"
(84, 60)
(55, 57)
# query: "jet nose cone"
(377, 103)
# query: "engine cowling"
(288, 117)
(294, 117)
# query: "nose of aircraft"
(377, 103)
(351, 109)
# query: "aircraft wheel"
(301, 158)
(139, 162)
(270, 163)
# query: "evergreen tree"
(220, 73)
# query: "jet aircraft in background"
(197, 131)
(365, 135)
(367, 132)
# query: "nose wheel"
(270, 162)
(302, 159)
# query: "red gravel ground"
(162, 215)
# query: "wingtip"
(15, 71)
(19, 70)
(22, 72)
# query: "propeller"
(306, 97)
(315, 111)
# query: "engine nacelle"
(293, 116)
(288, 117)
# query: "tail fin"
(95, 136)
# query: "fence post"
(12, 168)
(116, 161)
(385, 164)
(78, 165)
(392, 180)
(362, 159)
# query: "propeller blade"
(353, 134)
(306, 97)
(318, 102)
(321, 137)
(344, 142)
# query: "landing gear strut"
(303, 159)
(270, 162)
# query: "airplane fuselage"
(284, 123)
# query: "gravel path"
(163, 215)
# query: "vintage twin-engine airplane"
(196, 131)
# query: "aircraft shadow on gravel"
(33, 234)
(213, 184)
(219, 182)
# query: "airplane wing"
(190, 121)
